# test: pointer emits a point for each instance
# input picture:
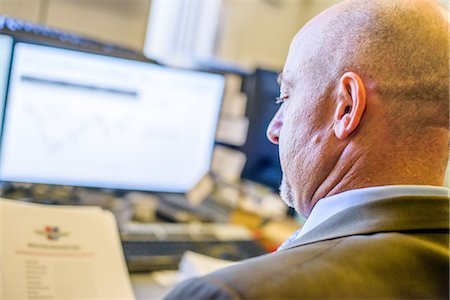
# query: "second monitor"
(263, 163)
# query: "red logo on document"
(52, 233)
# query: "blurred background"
(251, 33)
(248, 32)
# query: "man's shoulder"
(250, 277)
(345, 267)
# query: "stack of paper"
(191, 265)
(194, 264)
(60, 252)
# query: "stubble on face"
(286, 193)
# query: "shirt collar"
(329, 206)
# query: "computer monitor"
(263, 163)
(83, 119)
(6, 43)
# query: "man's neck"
(384, 164)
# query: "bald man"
(363, 132)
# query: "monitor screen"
(263, 163)
(6, 43)
(83, 119)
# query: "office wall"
(24, 9)
(258, 32)
(118, 21)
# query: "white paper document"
(195, 264)
(192, 264)
(60, 252)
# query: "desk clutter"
(76, 251)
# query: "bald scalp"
(399, 47)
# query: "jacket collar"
(399, 214)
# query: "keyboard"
(160, 246)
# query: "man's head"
(365, 90)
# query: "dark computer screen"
(83, 119)
(263, 164)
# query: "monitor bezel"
(139, 59)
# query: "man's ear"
(351, 103)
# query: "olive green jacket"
(395, 248)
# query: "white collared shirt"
(329, 206)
